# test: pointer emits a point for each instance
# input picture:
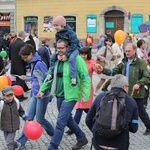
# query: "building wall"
(78, 8)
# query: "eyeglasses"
(60, 47)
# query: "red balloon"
(18, 90)
(9, 80)
(32, 130)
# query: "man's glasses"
(60, 47)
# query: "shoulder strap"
(1, 105)
(105, 51)
(34, 66)
(18, 103)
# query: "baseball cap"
(7, 90)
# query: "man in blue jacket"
(120, 142)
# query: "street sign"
(143, 28)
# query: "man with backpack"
(112, 116)
(136, 72)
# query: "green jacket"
(138, 74)
(83, 82)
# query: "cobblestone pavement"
(137, 141)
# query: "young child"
(64, 31)
(10, 110)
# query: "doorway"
(114, 20)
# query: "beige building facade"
(94, 16)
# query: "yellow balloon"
(119, 36)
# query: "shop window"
(4, 23)
(71, 21)
(30, 24)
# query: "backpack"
(111, 115)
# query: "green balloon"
(3, 54)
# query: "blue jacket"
(70, 35)
(45, 53)
(122, 140)
(38, 73)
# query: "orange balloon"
(89, 40)
(119, 36)
(3, 81)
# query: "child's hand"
(59, 57)
(64, 58)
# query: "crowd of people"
(67, 75)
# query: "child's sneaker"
(73, 82)
(49, 79)
(19, 146)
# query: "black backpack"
(111, 115)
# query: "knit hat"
(59, 20)
(7, 90)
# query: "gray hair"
(66, 42)
(119, 81)
(21, 34)
(133, 45)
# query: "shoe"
(73, 82)
(27, 90)
(79, 144)
(104, 89)
(69, 132)
(22, 99)
(147, 132)
(19, 146)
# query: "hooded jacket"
(68, 34)
(38, 73)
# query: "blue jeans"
(64, 119)
(78, 114)
(37, 107)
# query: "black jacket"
(18, 66)
(122, 140)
